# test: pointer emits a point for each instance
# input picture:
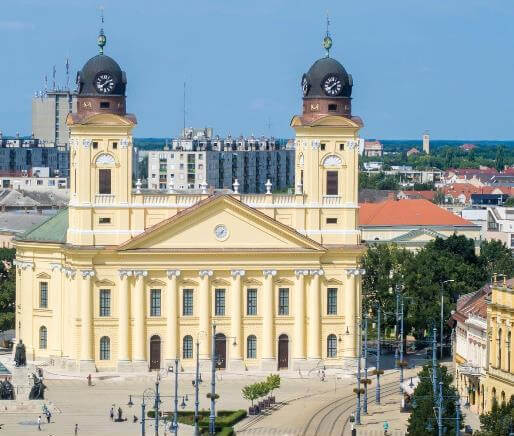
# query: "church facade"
(131, 279)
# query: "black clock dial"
(332, 85)
(104, 83)
(305, 85)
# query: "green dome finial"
(327, 40)
(102, 40)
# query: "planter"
(257, 410)
(251, 411)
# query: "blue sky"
(442, 65)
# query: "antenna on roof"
(67, 74)
(184, 109)
(46, 83)
(327, 40)
(53, 77)
(102, 40)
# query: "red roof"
(427, 195)
(408, 213)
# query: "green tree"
(499, 161)
(496, 258)
(7, 288)
(422, 419)
(250, 392)
(439, 198)
(273, 381)
(499, 421)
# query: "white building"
(496, 222)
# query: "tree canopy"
(7, 288)
(499, 421)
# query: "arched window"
(251, 347)
(509, 336)
(503, 397)
(499, 365)
(331, 346)
(105, 348)
(43, 337)
(187, 347)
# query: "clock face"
(104, 83)
(221, 232)
(332, 85)
(305, 85)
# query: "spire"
(102, 40)
(327, 40)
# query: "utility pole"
(156, 406)
(440, 414)
(442, 316)
(212, 417)
(197, 378)
(377, 390)
(434, 360)
(359, 355)
(175, 427)
(457, 417)
(143, 419)
(365, 408)
(401, 347)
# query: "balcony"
(502, 375)
(104, 199)
(470, 370)
(331, 200)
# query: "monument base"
(269, 364)
(87, 366)
(237, 365)
(139, 366)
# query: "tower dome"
(101, 75)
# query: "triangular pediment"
(419, 235)
(221, 223)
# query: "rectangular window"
(105, 302)
(104, 105)
(251, 302)
(283, 301)
(332, 107)
(332, 301)
(104, 181)
(114, 145)
(155, 302)
(219, 302)
(43, 295)
(332, 182)
(187, 302)
(95, 144)
(322, 147)
(331, 220)
(341, 147)
(104, 220)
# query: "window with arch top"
(187, 347)
(105, 348)
(331, 346)
(251, 347)
(43, 337)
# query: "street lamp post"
(212, 416)
(442, 315)
(377, 390)
(175, 424)
(365, 406)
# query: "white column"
(172, 325)
(139, 355)
(299, 319)
(204, 314)
(123, 318)
(268, 361)
(236, 320)
(314, 332)
(87, 359)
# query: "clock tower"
(100, 153)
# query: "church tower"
(327, 148)
(100, 153)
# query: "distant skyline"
(446, 67)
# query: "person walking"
(48, 416)
(76, 429)
(39, 422)
(112, 414)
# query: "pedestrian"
(76, 429)
(112, 413)
(89, 380)
(39, 422)
(48, 416)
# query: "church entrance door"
(283, 352)
(221, 351)
(155, 352)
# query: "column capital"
(355, 272)
(237, 272)
(23, 264)
(301, 272)
(173, 273)
(54, 266)
(316, 272)
(125, 273)
(70, 272)
(140, 273)
(269, 272)
(87, 273)
(205, 273)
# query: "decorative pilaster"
(268, 361)
(204, 303)
(299, 319)
(314, 305)
(352, 306)
(124, 319)
(236, 324)
(87, 357)
(172, 326)
(139, 334)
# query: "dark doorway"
(221, 351)
(283, 352)
(155, 352)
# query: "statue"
(38, 389)
(6, 390)
(20, 359)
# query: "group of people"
(48, 416)
(120, 416)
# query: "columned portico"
(204, 314)
(124, 363)
(87, 358)
(139, 333)
(299, 357)
(172, 314)
(314, 312)
(268, 360)
(236, 324)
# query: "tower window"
(114, 145)
(332, 182)
(341, 147)
(331, 220)
(332, 107)
(104, 176)
(104, 105)
(322, 146)
(95, 144)
(104, 220)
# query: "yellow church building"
(130, 279)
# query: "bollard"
(89, 380)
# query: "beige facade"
(131, 280)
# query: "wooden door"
(221, 351)
(283, 352)
(155, 352)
